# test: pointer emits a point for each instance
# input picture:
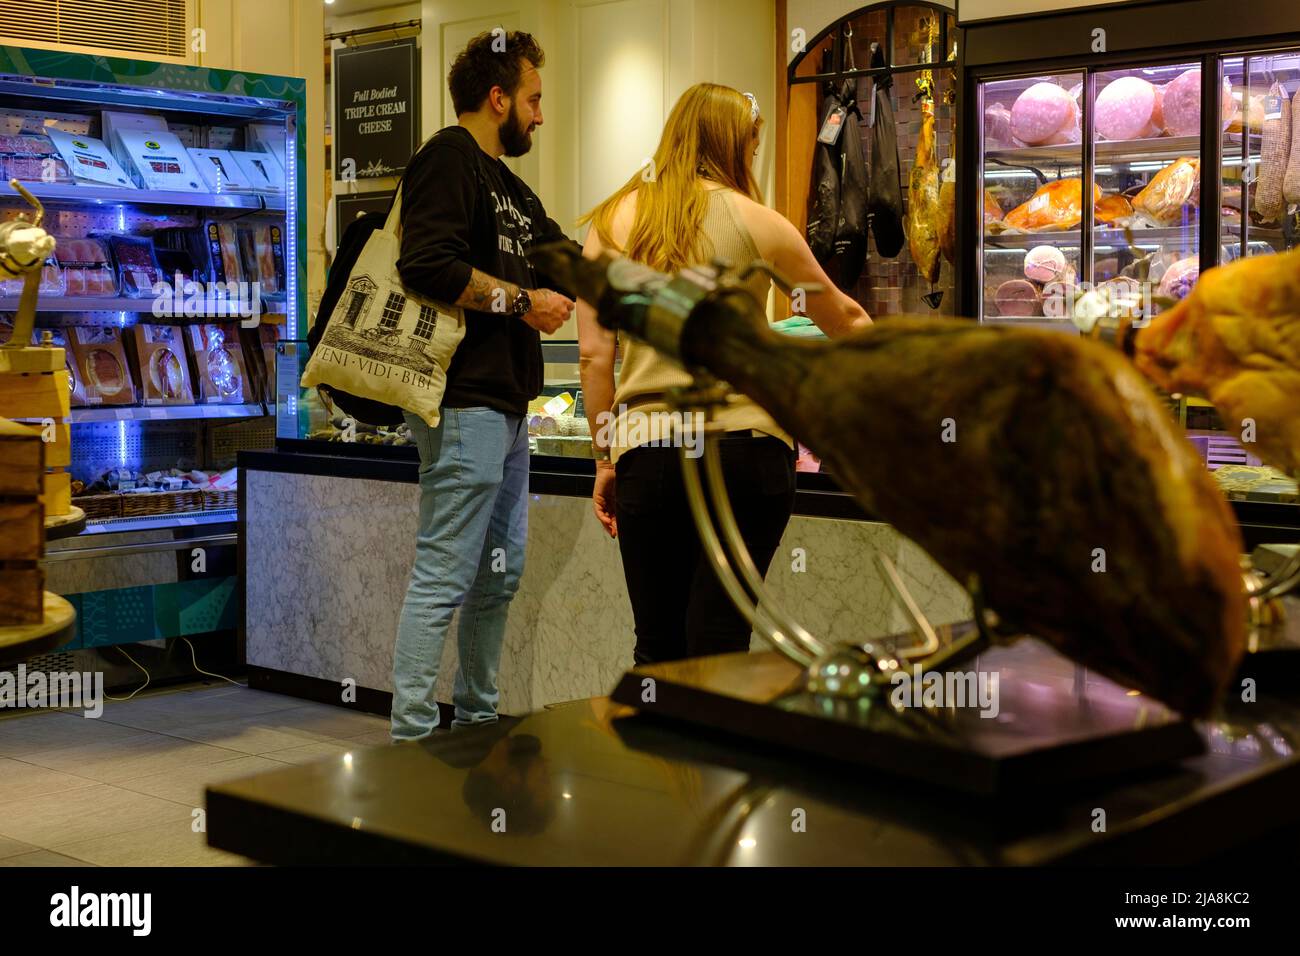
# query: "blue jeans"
(469, 554)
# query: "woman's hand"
(602, 497)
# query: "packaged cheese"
(101, 360)
(219, 359)
(163, 370)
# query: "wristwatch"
(523, 303)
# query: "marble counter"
(327, 560)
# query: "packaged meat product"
(268, 335)
(157, 160)
(21, 145)
(89, 160)
(997, 128)
(1042, 111)
(262, 171)
(1044, 264)
(32, 158)
(101, 359)
(1172, 189)
(1182, 104)
(1129, 108)
(137, 266)
(1254, 117)
(1112, 208)
(75, 382)
(1269, 200)
(1017, 298)
(992, 209)
(1180, 277)
(219, 358)
(178, 267)
(1060, 295)
(87, 269)
(220, 171)
(223, 251)
(1056, 205)
(51, 281)
(163, 370)
(1291, 181)
(257, 256)
(1068, 135)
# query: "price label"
(1039, 202)
(832, 127)
(1273, 107)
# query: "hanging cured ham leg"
(1039, 463)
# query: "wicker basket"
(220, 500)
(138, 505)
(100, 506)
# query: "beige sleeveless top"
(642, 415)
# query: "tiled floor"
(122, 790)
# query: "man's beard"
(514, 137)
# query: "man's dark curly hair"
(479, 67)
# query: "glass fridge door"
(1147, 166)
(1256, 155)
(1031, 164)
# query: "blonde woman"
(702, 201)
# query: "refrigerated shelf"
(1115, 237)
(48, 303)
(81, 195)
(1156, 150)
(79, 416)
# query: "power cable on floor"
(147, 678)
(194, 658)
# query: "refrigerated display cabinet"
(155, 565)
(1158, 115)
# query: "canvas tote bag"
(383, 342)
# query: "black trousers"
(679, 607)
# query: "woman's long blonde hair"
(709, 134)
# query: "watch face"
(523, 302)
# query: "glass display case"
(173, 194)
(1182, 163)
(557, 424)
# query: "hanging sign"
(376, 109)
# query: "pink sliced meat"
(997, 128)
(1042, 111)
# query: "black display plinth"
(1050, 722)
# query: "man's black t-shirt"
(463, 209)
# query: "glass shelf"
(71, 193)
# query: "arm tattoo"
(481, 293)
